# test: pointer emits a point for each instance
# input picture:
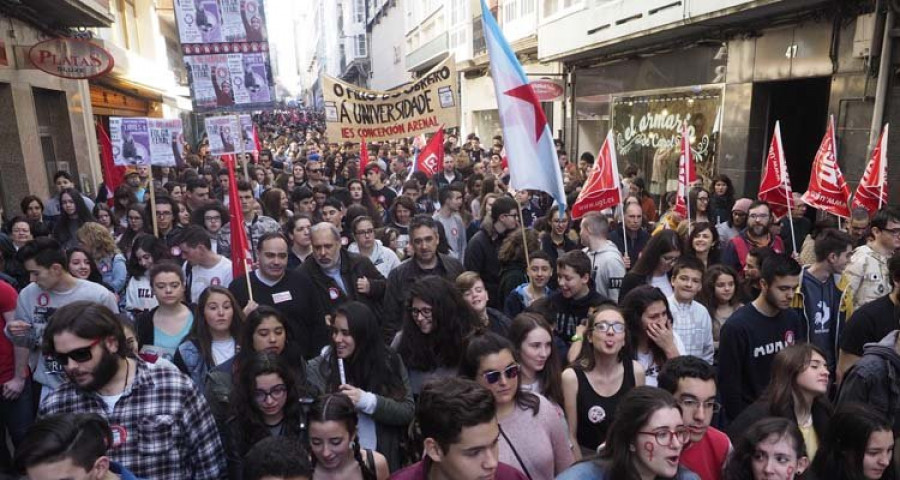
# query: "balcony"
(428, 54)
(69, 13)
(617, 26)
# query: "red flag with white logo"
(872, 192)
(775, 187)
(431, 158)
(601, 189)
(687, 173)
(828, 191)
(257, 146)
(363, 157)
(240, 247)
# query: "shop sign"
(71, 58)
(547, 90)
(648, 130)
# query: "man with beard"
(162, 426)
(340, 276)
(291, 292)
(757, 331)
(737, 223)
(52, 287)
(756, 235)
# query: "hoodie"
(607, 270)
(383, 258)
(875, 379)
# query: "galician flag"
(533, 164)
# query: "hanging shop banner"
(352, 113)
(220, 21)
(224, 134)
(648, 132)
(142, 141)
(230, 81)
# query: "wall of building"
(388, 51)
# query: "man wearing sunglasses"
(162, 426)
(51, 287)
(866, 277)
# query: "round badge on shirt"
(119, 435)
(596, 414)
(333, 293)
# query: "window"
(361, 49)
(128, 24)
(527, 7)
(510, 11)
(554, 7)
(359, 11)
(457, 11)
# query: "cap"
(742, 205)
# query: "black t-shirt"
(869, 323)
(385, 196)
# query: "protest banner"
(166, 142)
(224, 134)
(419, 107)
(217, 21)
(229, 81)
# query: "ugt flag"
(240, 247)
(687, 173)
(828, 190)
(431, 159)
(775, 187)
(526, 135)
(601, 189)
(871, 193)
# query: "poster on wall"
(229, 81)
(142, 141)
(648, 130)
(420, 107)
(220, 21)
(130, 138)
(224, 134)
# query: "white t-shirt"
(110, 401)
(222, 350)
(139, 294)
(651, 369)
(662, 282)
(202, 277)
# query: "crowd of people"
(399, 326)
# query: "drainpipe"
(884, 72)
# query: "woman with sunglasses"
(334, 443)
(359, 365)
(528, 422)
(435, 325)
(213, 336)
(601, 375)
(266, 401)
(644, 442)
(655, 264)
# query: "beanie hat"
(503, 205)
(742, 205)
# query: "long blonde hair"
(97, 240)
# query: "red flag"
(240, 247)
(872, 192)
(775, 187)
(112, 174)
(601, 189)
(828, 190)
(504, 160)
(431, 159)
(257, 146)
(687, 174)
(363, 157)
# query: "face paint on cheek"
(648, 447)
(790, 473)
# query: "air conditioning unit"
(862, 37)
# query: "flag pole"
(247, 267)
(790, 202)
(525, 237)
(153, 202)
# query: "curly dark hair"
(453, 321)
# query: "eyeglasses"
(213, 219)
(759, 216)
(694, 404)
(163, 214)
(604, 327)
(493, 376)
(277, 393)
(361, 233)
(315, 170)
(665, 436)
(80, 355)
(893, 231)
(425, 312)
(670, 258)
(703, 199)
(513, 215)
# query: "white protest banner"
(166, 142)
(224, 134)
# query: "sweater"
(748, 343)
(531, 434)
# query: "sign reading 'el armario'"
(420, 107)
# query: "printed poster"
(226, 81)
(247, 133)
(220, 21)
(224, 134)
(166, 142)
(130, 138)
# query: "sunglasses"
(493, 376)
(80, 355)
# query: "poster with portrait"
(130, 138)
(647, 131)
(224, 133)
(220, 21)
(247, 133)
(255, 83)
(230, 81)
(166, 142)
